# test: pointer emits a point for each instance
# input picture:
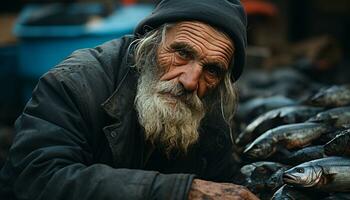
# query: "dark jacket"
(79, 138)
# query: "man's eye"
(184, 54)
(214, 71)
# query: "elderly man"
(140, 117)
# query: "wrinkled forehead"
(209, 31)
(200, 26)
(203, 37)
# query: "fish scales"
(303, 136)
(306, 154)
(337, 117)
(286, 136)
(340, 145)
(335, 96)
(255, 107)
(274, 118)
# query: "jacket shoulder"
(106, 61)
(80, 84)
(92, 74)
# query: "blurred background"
(295, 46)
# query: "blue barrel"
(42, 47)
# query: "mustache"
(178, 90)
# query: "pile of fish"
(296, 148)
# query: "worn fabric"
(79, 138)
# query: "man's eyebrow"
(217, 64)
(184, 46)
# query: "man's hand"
(201, 189)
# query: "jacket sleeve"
(51, 157)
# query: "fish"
(340, 145)
(326, 137)
(283, 138)
(286, 82)
(306, 154)
(334, 96)
(249, 110)
(274, 118)
(331, 174)
(261, 167)
(290, 193)
(337, 117)
(262, 176)
(276, 179)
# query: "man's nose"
(190, 77)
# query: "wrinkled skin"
(210, 190)
(307, 176)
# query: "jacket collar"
(115, 104)
(125, 135)
(123, 97)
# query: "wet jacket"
(79, 138)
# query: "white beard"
(169, 115)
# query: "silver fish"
(326, 137)
(274, 118)
(289, 193)
(255, 107)
(334, 96)
(340, 145)
(330, 174)
(284, 137)
(337, 117)
(306, 154)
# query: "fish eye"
(300, 170)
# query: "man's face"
(191, 61)
(195, 55)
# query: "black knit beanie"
(226, 15)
